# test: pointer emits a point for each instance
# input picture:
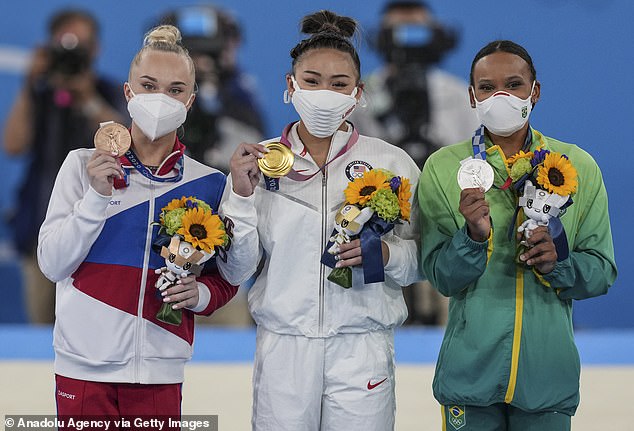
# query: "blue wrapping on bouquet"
(371, 250)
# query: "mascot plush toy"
(543, 209)
(181, 259)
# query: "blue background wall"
(583, 51)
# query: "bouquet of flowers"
(374, 203)
(189, 235)
(547, 180)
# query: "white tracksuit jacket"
(97, 249)
(291, 227)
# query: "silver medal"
(474, 173)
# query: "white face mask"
(156, 114)
(503, 113)
(322, 111)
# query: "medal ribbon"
(370, 236)
(134, 160)
(477, 142)
(294, 175)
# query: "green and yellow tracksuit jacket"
(509, 336)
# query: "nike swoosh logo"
(374, 385)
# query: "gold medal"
(113, 137)
(278, 162)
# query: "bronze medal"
(278, 162)
(113, 137)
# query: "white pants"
(342, 383)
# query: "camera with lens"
(411, 48)
(204, 29)
(420, 44)
(68, 57)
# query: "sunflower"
(202, 229)
(521, 155)
(557, 175)
(404, 194)
(174, 203)
(362, 189)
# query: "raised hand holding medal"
(278, 162)
(113, 137)
(111, 140)
(475, 173)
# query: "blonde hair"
(165, 38)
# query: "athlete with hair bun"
(324, 354)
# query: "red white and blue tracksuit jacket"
(98, 251)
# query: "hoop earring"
(287, 97)
(363, 102)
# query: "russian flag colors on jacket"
(98, 251)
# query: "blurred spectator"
(225, 111)
(416, 106)
(58, 109)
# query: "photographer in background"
(225, 111)
(58, 109)
(416, 106)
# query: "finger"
(476, 211)
(471, 194)
(539, 236)
(189, 302)
(182, 285)
(106, 171)
(349, 262)
(541, 253)
(100, 156)
(247, 163)
(181, 296)
(349, 254)
(255, 150)
(356, 243)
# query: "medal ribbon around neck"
(294, 175)
(477, 142)
(274, 183)
(134, 160)
(480, 151)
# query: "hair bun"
(168, 34)
(327, 21)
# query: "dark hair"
(405, 4)
(504, 46)
(328, 30)
(65, 16)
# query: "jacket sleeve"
(451, 260)
(75, 217)
(214, 292)
(244, 254)
(590, 268)
(403, 265)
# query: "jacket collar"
(167, 164)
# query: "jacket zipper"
(324, 233)
(140, 327)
